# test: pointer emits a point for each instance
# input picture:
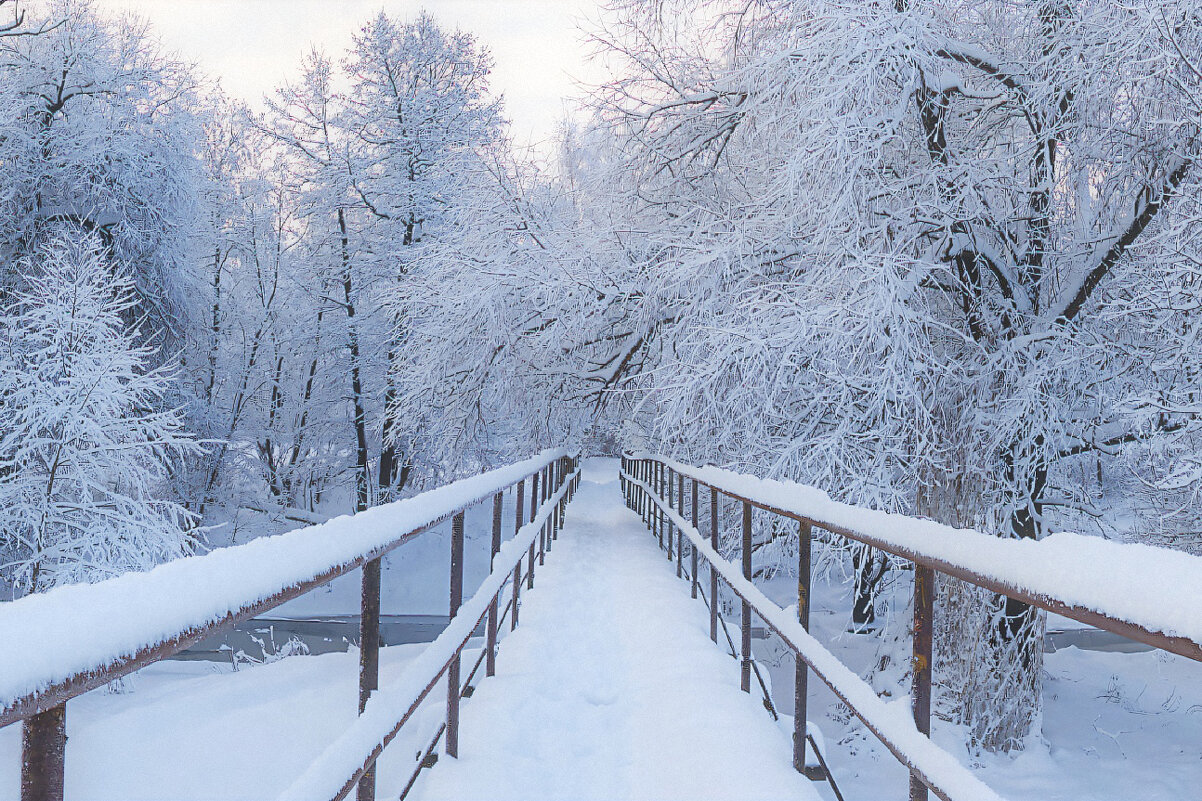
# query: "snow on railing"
(891, 722)
(1139, 591)
(336, 771)
(64, 642)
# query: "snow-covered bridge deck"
(610, 688)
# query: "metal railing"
(553, 477)
(652, 486)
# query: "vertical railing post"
(452, 737)
(517, 591)
(666, 495)
(519, 517)
(490, 661)
(713, 572)
(679, 530)
(920, 695)
(43, 755)
(659, 512)
(693, 548)
(535, 499)
(369, 656)
(562, 506)
(801, 677)
(745, 664)
(544, 533)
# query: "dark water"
(263, 637)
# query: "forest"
(937, 257)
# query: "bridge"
(593, 660)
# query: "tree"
(99, 132)
(421, 118)
(84, 451)
(910, 251)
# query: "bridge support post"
(43, 755)
(713, 573)
(920, 694)
(801, 678)
(453, 689)
(490, 661)
(745, 666)
(369, 657)
(693, 548)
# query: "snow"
(892, 721)
(391, 705)
(610, 687)
(52, 636)
(1115, 726)
(1154, 588)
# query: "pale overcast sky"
(252, 45)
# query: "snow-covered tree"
(926, 255)
(100, 133)
(85, 446)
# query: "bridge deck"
(610, 687)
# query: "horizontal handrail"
(890, 722)
(1141, 592)
(69, 640)
(389, 708)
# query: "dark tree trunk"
(869, 569)
(360, 416)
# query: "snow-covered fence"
(72, 639)
(1144, 593)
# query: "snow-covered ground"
(609, 688)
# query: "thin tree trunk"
(360, 420)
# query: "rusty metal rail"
(354, 753)
(652, 484)
(43, 712)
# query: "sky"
(251, 46)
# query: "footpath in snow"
(610, 687)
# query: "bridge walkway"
(610, 687)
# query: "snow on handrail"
(891, 722)
(390, 707)
(1139, 591)
(71, 639)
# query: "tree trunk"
(360, 417)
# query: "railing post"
(517, 591)
(713, 572)
(679, 530)
(745, 665)
(535, 498)
(801, 678)
(452, 737)
(659, 512)
(43, 755)
(490, 663)
(693, 548)
(920, 695)
(369, 656)
(668, 505)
